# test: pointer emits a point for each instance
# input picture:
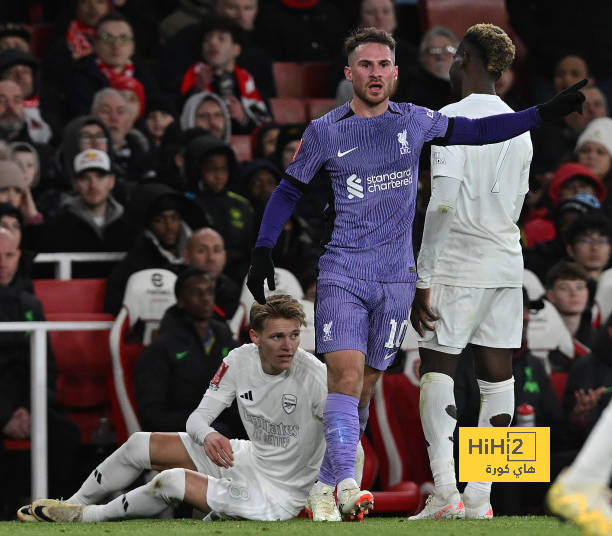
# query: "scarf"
(112, 76)
(79, 38)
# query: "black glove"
(261, 268)
(567, 101)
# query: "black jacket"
(19, 306)
(174, 371)
(230, 214)
(590, 372)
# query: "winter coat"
(174, 371)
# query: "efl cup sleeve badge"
(289, 403)
(402, 139)
(214, 383)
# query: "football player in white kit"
(470, 271)
(281, 392)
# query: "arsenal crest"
(289, 402)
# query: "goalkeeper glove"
(567, 101)
(261, 268)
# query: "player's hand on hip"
(421, 315)
(565, 102)
(219, 449)
(261, 268)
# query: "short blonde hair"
(276, 306)
(495, 45)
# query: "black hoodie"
(146, 252)
(231, 214)
(174, 371)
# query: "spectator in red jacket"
(219, 74)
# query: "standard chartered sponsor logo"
(378, 183)
(277, 434)
(388, 181)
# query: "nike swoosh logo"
(341, 153)
(389, 356)
(40, 514)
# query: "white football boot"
(440, 508)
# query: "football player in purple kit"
(369, 149)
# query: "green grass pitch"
(517, 526)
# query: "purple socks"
(341, 426)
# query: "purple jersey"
(372, 165)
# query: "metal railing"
(63, 261)
(38, 391)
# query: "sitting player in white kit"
(281, 392)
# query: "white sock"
(439, 418)
(118, 471)
(496, 408)
(593, 465)
(146, 501)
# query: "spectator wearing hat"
(14, 189)
(208, 111)
(160, 114)
(263, 140)
(569, 179)
(218, 72)
(541, 258)
(112, 61)
(15, 36)
(161, 219)
(21, 67)
(91, 221)
(210, 167)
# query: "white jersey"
(282, 415)
(483, 247)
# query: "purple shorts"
(353, 314)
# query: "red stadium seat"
(318, 107)
(84, 366)
(397, 436)
(288, 79)
(315, 75)
(242, 147)
(40, 37)
(72, 296)
(148, 294)
(288, 110)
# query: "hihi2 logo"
(504, 454)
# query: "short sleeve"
(309, 156)
(448, 161)
(432, 124)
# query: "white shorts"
(239, 491)
(490, 317)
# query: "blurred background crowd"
(159, 129)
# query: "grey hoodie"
(191, 105)
(76, 206)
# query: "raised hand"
(565, 102)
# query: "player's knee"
(137, 445)
(169, 485)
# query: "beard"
(11, 125)
(373, 101)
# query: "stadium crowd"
(161, 129)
